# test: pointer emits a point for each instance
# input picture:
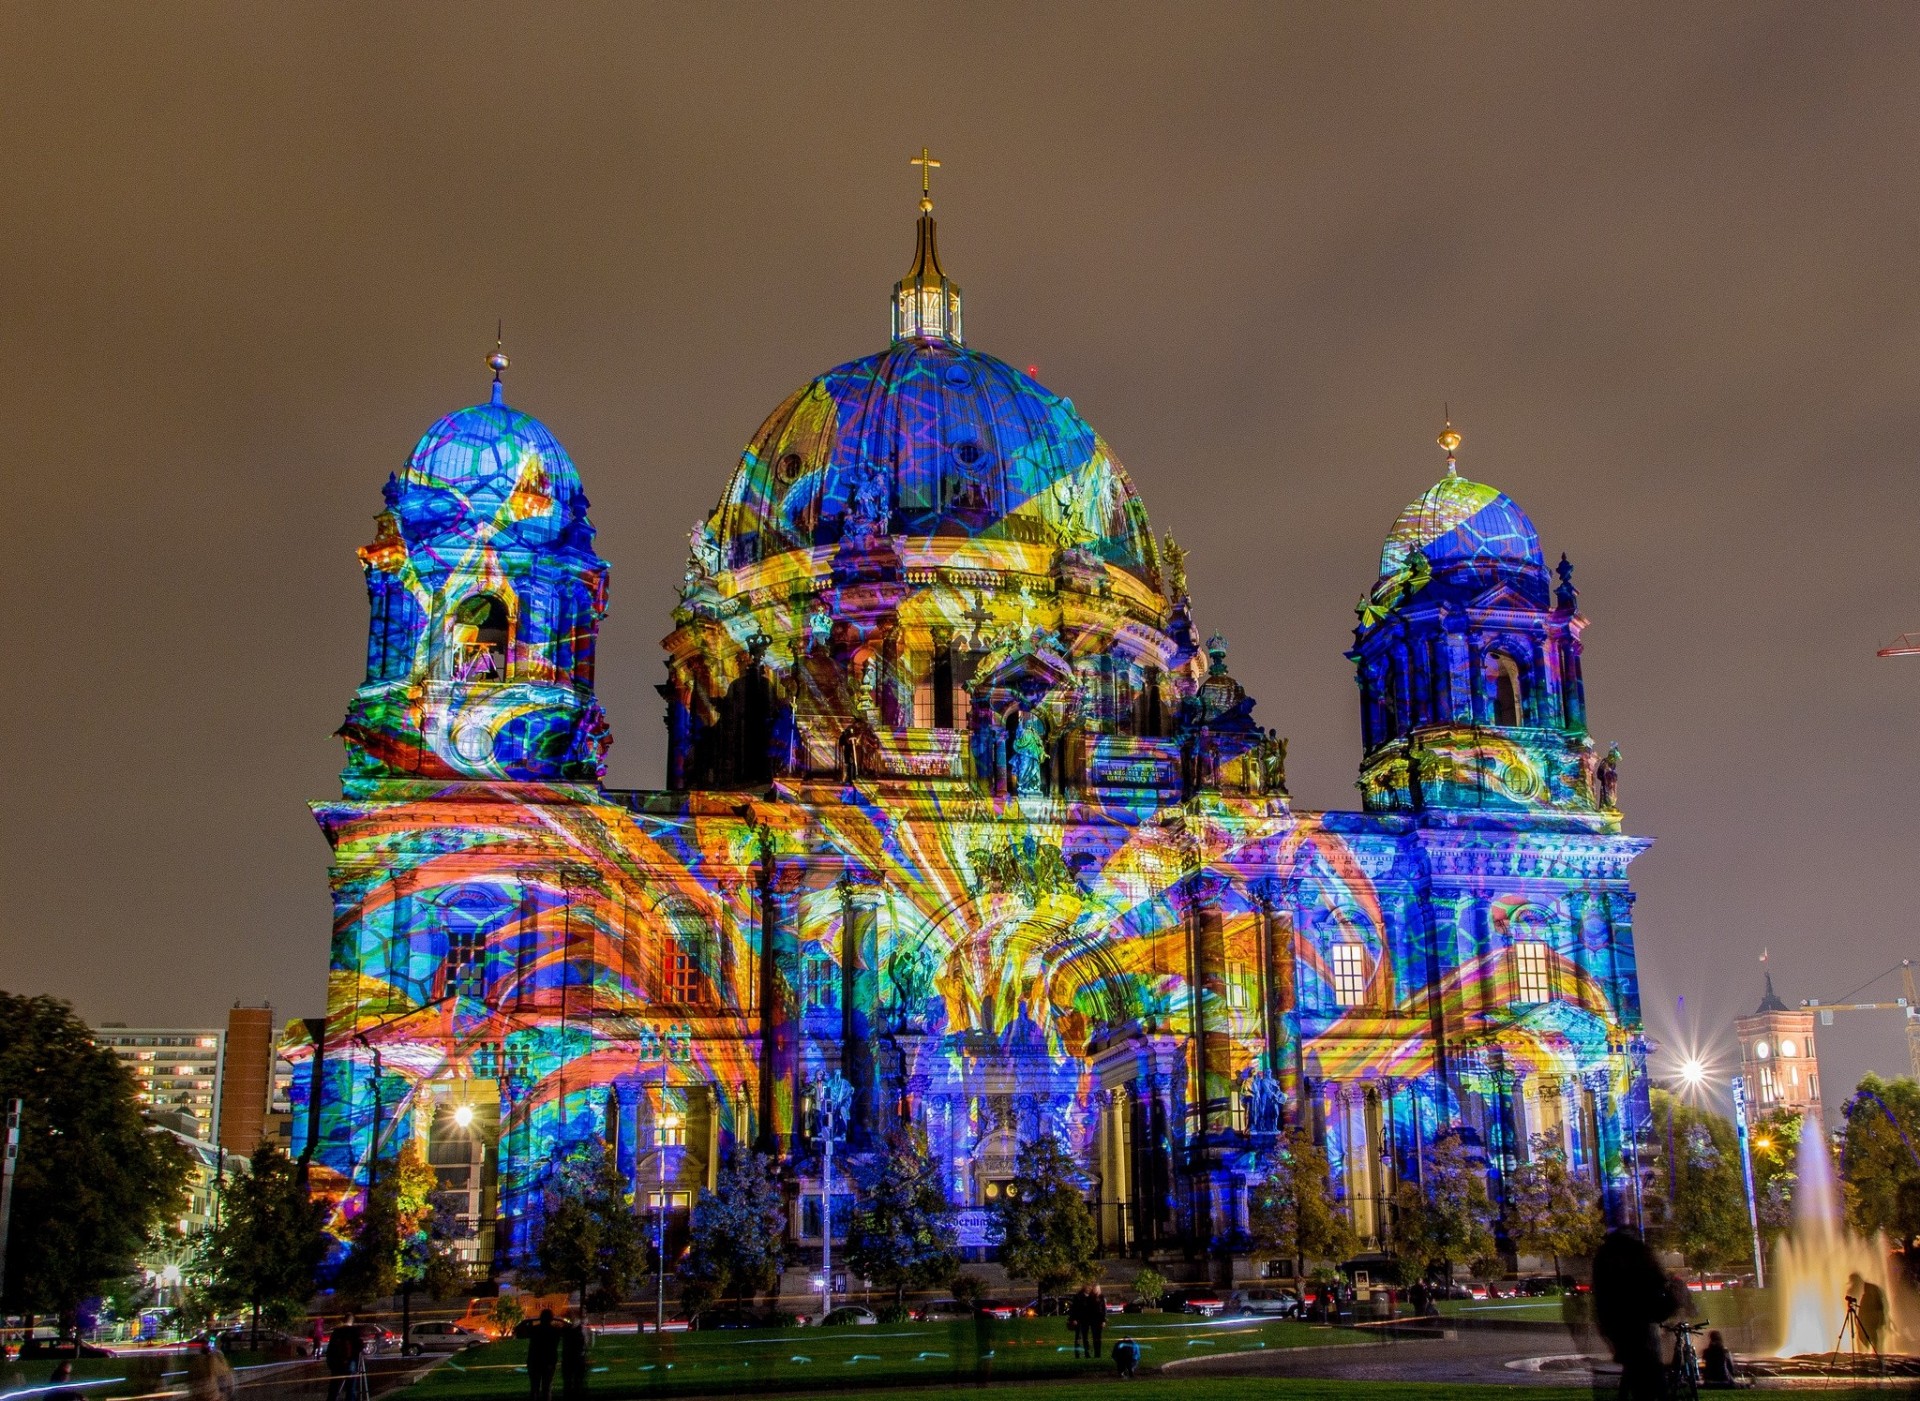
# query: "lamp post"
(1746, 1174)
(831, 1097)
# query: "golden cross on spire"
(927, 165)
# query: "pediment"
(1504, 596)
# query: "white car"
(440, 1337)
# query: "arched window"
(480, 627)
(1504, 672)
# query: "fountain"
(1813, 1262)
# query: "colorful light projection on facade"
(957, 806)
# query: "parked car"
(677, 1323)
(1049, 1306)
(49, 1349)
(940, 1309)
(438, 1336)
(1205, 1301)
(1264, 1302)
(732, 1318)
(274, 1341)
(850, 1315)
(997, 1308)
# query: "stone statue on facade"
(1609, 794)
(1029, 753)
(1176, 559)
(703, 552)
(1264, 1102)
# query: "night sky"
(1663, 262)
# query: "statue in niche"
(819, 628)
(868, 506)
(1264, 1101)
(1609, 794)
(1273, 764)
(912, 978)
(1029, 753)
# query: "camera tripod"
(1852, 1335)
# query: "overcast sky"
(1663, 261)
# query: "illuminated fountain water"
(1813, 1261)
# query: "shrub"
(1149, 1286)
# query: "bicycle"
(1683, 1371)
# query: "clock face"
(1761, 1050)
(473, 742)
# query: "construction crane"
(1907, 644)
(1910, 1005)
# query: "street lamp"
(831, 1097)
(669, 1125)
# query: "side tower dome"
(486, 596)
(1468, 661)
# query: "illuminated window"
(1769, 1087)
(1237, 997)
(684, 977)
(670, 1130)
(820, 983)
(1504, 673)
(466, 918)
(1532, 979)
(683, 974)
(1349, 975)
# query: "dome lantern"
(926, 302)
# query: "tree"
(739, 1231)
(270, 1240)
(1775, 1143)
(392, 1234)
(1046, 1232)
(94, 1179)
(589, 1234)
(1553, 1209)
(1697, 1202)
(1879, 1141)
(901, 1236)
(1446, 1217)
(1291, 1212)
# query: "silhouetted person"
(61, 1381)
(1870, 1303)
(543, 1356)
(344, 1349)
(573, 1361)
(1716, 1363)
(982, 1345)
(1631, 1299)
(209, 1377)
(1126, 1356)
(1096, 1318)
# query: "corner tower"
(485, 596)
(1467, 654)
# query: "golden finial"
(927, 165)
(498, 362)
(1449, 440)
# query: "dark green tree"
(1046, 1232)
(1775, 1141)
(1696, 1202)
(901, 1236)
(590, 1236)
(1445, 1218)
(1291, 1211)
(739, 1232)
(94, 1179)
(1552, 1209)
(263, 1254)
(1878, 1145)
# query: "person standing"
(1096, 1318)
(543, 1356)
(1076, 1312)
(573, 1360)
(1631, 1299)
(344, 1348)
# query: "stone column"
(1212, 1035)
(859, 997)
(779, 1006)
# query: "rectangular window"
(466, 956)
(683, 975)
(1532, 978)
(1349, 975)
(1769, 1087)
(1237, 997)
(820, 983)
(670, 1129)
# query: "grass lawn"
(913, 1354)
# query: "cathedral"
(964, 818)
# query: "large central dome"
(964, 446)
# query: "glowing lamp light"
(463, 1116)
(1763, 1143)
(1692, 1073)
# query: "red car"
(998, 1308)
